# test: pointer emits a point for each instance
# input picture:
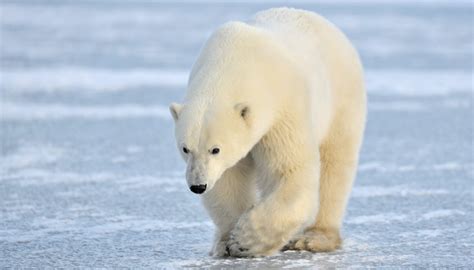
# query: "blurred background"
(90, 175)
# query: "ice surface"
(90, 79)
(90, 176)
(31, 111)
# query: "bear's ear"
(175, 109)
(243, 110)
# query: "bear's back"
(298, 19)
(320, 44)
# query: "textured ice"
(381, 218)
(90, 176)
(90, 79)
(400, 191)
(31, 111)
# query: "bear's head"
(236, 91)
(211, 138)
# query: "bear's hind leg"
(339, 157)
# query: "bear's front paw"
(239, 247)
(219, 249)
(247, 239)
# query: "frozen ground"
(90, 175)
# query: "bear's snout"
(198, 189)
(195, 176)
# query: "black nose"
(198, 188)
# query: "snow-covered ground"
(90, 176)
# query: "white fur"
(283, 99)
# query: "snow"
(418, 82)
(27, 156)
(28, 111)
(382, 218)
(90, 79)
(90, 175)
(400, 191)
(442, 213)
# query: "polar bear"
(270, 129)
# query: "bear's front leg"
(231, 196)
(291, 203)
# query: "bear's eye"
(185, 150)
(215, 151)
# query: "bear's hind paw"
(315, 241)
